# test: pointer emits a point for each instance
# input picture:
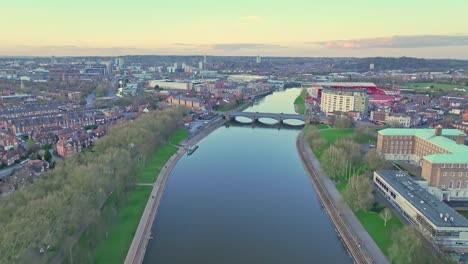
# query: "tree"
(342, 122)
(47, 156)
(408, 247)
(386, 215)
(358, 193)
(304, 93)
(375, 160)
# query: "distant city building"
(185, 101)
(339, 100)
(259, 59)
(371, 67)
(200, 65)
(433, 218)
(119, 62)
(74, 96)
(440, 152)
(171, 85)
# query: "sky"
(315, 28)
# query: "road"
(7, 171)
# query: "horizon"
(297, 28)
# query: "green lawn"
(114, 248)
(364, 138)
(323, 126)
(149, 173)
(178, 136)
(122, 228)
(299, 104)
(424, 85)
(333, 134)
(381, 234)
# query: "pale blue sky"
(294, 27)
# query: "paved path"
(345, 214)
(137, 250)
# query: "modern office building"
(342, 100)
(440, 152)
(434, 219)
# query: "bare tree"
(385, 214)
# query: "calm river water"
(244, 197)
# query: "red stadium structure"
(376, 94)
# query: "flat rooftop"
(420, 198)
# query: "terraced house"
(441, 153)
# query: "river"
(244, 197)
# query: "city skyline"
(429, 29)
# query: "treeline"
(344, 161)
(43, 220)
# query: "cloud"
(181, 44)
(417, 41)
(245, 46)
(250, 20)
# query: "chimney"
(438, 130)
(460, 139)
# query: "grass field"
(121, 229)
(299, 104)
(149, 173)
(323, 126)
(114, 248)
(424, 85)
(332, 135)
(381, 234)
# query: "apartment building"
(341, 100)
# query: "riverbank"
(299, 105)
(137, 250)
(355, 238)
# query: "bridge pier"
(280, 120)
(227, 117)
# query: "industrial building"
(342, 100)
(440, 152)
(164, 84)
(434, 219)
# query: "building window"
(460, 174)
(458, 184)
(452, 174)
(450, 185)
(443, 165)
(444, 174)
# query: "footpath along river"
(244, 197)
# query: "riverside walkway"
(137, 250)
(357, 240)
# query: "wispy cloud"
(250, 20)
(245, 46)
(416, 41)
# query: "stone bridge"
(254, 116)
